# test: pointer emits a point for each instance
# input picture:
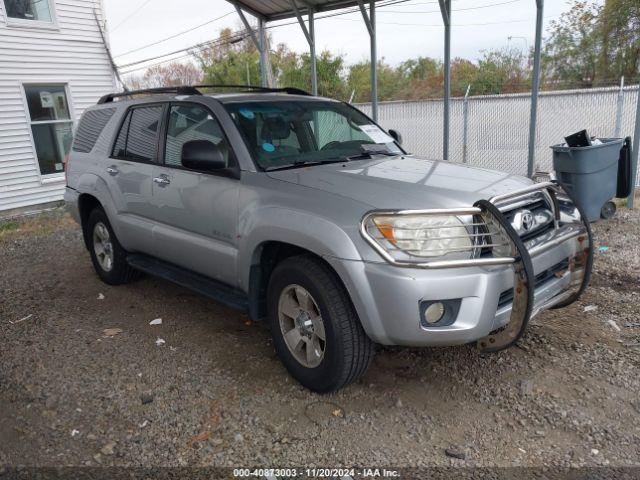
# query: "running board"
(213, 289)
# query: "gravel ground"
(215, 393)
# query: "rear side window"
(138, 136)
(90, 128)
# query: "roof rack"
(256, 89)
(193, 90)
(182, 90)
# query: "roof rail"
(193, 90)
(256, 89)
(181, 90)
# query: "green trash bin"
(590, 174)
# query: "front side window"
(51, 125)
(290, 133)
(138, 136)
(192, 122)
(36, 10)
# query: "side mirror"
(396, 136)
(203, 155)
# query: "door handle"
(162, 180)
(112, 170)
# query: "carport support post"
(635, 154)
(259, 41)
(264, 62)
(370, 22)
(310, 35)
(535, 87)
(445, 9)
(314, 60)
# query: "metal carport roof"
(271, 10)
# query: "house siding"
(70, 53)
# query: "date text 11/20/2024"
(316, 472)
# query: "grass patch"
(42, 224)
(9, 225)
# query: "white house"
(53, 64)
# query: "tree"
(619, 31)
(231, 60)
(501, 71)
(172, 74)
(572, 49)
(463, 74)
(294, 70)
(422, 77)
(359, 81)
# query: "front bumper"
(493, 299)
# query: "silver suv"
(302, 211)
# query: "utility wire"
(144, 4)
(478, 7)
(175, 35)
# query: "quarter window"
(138, 136)
(35, 10)
(90, 128)
(51, 125)
(191, 122)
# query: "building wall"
(68, 52)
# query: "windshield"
(282, 134)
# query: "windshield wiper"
(369, 150)
(307, 163)
(371, 155)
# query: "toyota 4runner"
(302, 211)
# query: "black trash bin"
(591, 174)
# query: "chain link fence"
(497, 126)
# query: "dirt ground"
(215, 394)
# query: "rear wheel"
(108, 257)
(316, 330)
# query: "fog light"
(434, 313)
(439, 313)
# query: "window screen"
(138, 137)
(90, 128)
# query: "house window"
(51, 125)
(37, 10)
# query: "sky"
(405, 30)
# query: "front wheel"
(316, 330)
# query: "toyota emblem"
(527, 220)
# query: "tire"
(608, 210)
(346, 352)
(107, 255)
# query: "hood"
(405, 182)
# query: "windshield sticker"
(267, 147)
(246, 113)
(376, 134)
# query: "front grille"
(540, 209)
(506, 297)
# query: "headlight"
(421, 235)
